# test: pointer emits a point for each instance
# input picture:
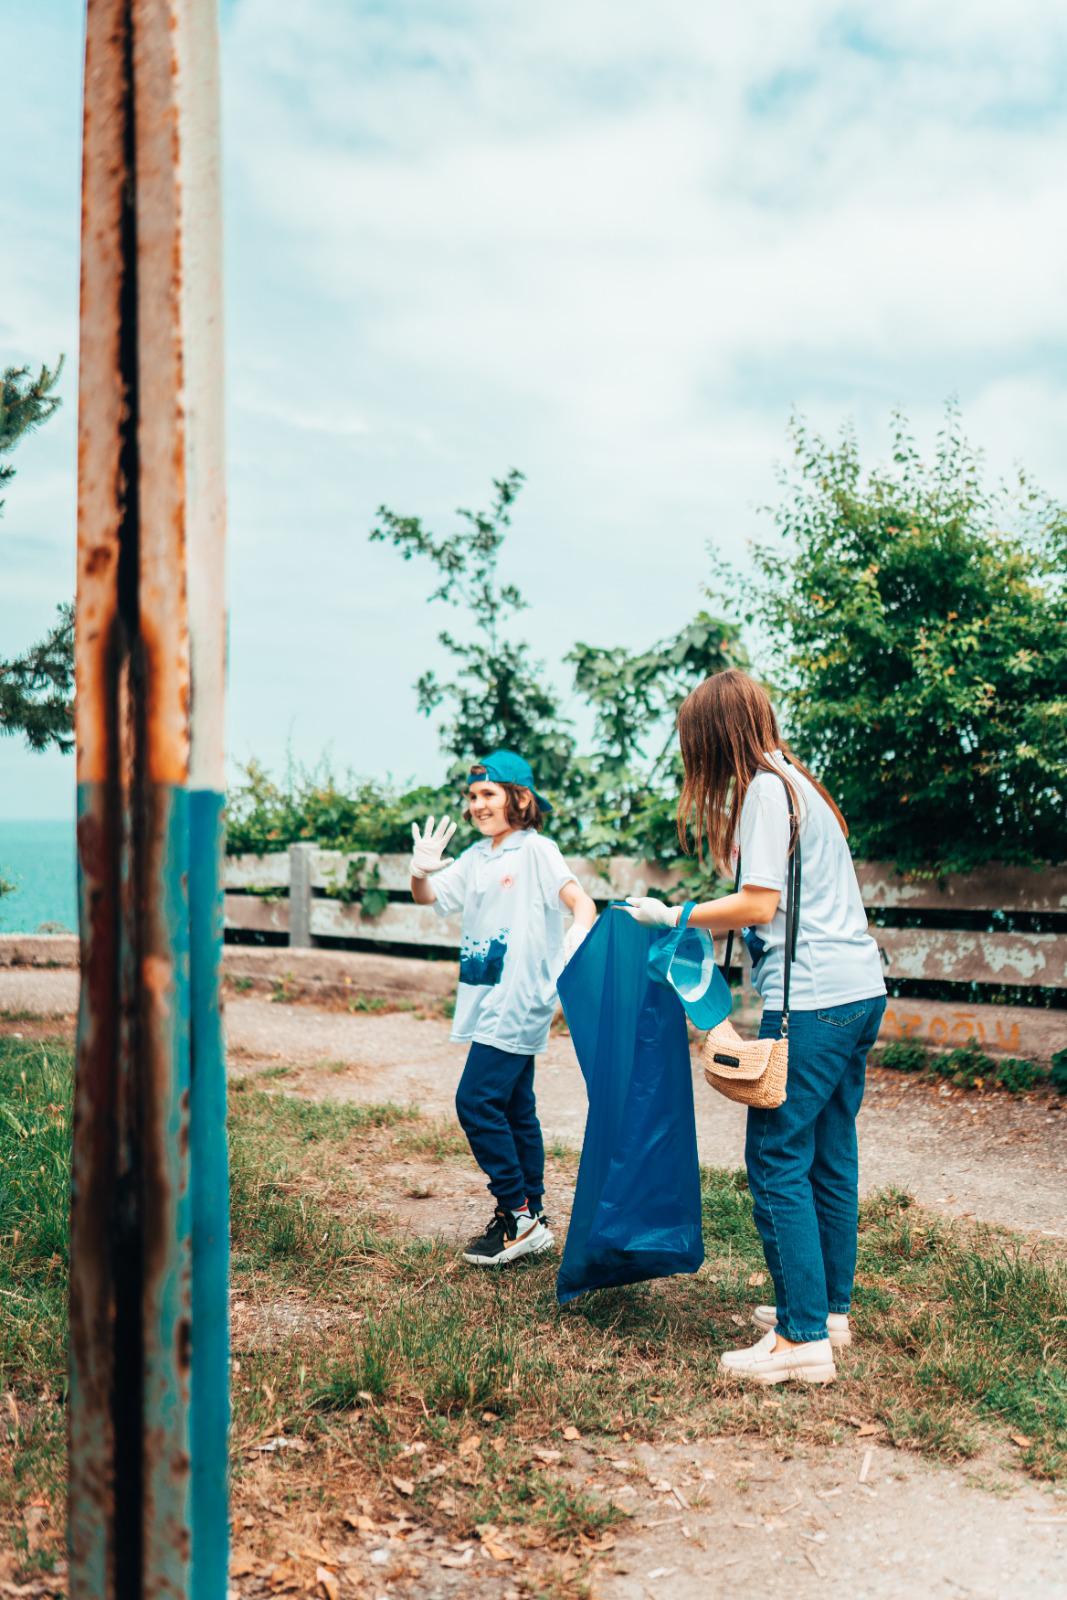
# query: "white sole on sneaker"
(765, 1318)
(530, 1243)
(823, 1374)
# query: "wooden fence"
(294, 895)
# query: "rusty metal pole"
(149, 1395)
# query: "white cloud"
(612, 244)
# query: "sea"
(38, 861)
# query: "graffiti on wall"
(944, 1029)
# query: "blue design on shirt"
(481, 961)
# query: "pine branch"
(36, 689)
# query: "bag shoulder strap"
(792, 906)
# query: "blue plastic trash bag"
(637, 1201)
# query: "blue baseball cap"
(684, 960)
(504, 766)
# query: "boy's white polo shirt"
(512, 940)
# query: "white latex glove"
(651, 913)
(572, 939)
(428, 855)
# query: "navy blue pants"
(498, 1113)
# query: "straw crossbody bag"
(754, 1071)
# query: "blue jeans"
(803, 1167)
(498, 1113)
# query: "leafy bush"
(1019, 1076)
(315, 805)
(903, 1055)
(918, 624)
(1058, 1074)
(968, 1066)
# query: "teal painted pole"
(210, 1191)
(206, 585)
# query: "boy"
(511, 888)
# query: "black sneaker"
(510, 1234)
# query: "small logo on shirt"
(507, 881)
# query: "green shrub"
(1058, 1075)
(968, 1066)
(1019, 1076)
(903, 1055)
(915, 621)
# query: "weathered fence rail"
(294, 895)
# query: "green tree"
(633, 778)
(36, 687)
(918, 639)
(497, 694)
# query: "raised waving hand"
(428, 855)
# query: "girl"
(511, 888)
(801, 1157)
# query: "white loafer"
(762, 1363)
(836, 1324)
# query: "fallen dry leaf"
(403, 1486)
(286, 1575)
(497, 1551)
(549, 1457)
(241, 1562)
(356, 1519)
(281, 1443)
(867, 1430)
(469, 1444)
(571, 1433)
(458, 1561)
(755, 1279)
(1022, 1440)
(328, 1583)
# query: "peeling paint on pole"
(149, 670)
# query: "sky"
(611, 244)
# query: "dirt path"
(992, 1157)
(720, 1516)
(995, 1158)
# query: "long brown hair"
(726, 728)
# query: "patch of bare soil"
(989, 1156)
(272, 1324)
(729, 1515)
(993, 1156)
(432, 1199)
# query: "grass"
(394, 1346)
(35, 1123)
